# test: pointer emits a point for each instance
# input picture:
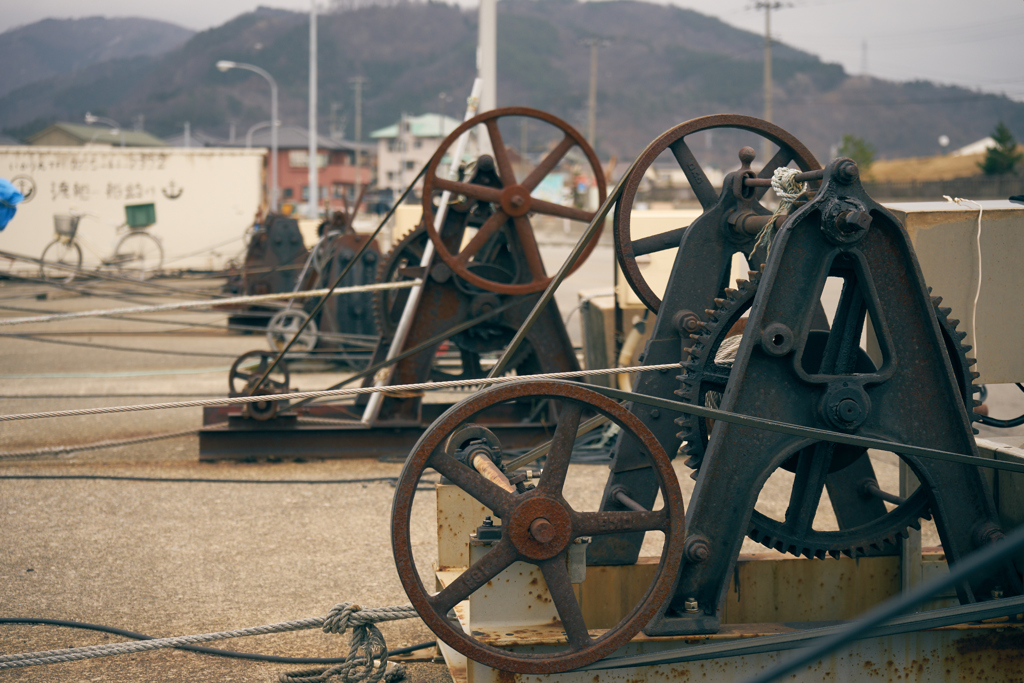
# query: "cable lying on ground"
(354, 391)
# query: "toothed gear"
(705, 375)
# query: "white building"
(204, 199)
(405, 147)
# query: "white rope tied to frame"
(788, 191)
(186, 305)
(960, 201)
(364, 645)
(332, 393)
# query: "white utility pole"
(487, 67)
(357, 83)
(314, 190)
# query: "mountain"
(59, 46)
(660, 65)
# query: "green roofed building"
(406, 146)
(80, 134)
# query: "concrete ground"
(173, 558)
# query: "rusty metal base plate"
(326, 432)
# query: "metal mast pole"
(357, 83)
(314, 190)
(487, 67)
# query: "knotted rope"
(788, 191)
(367, 644)
(367, 660)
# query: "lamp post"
(224, 65)
(115, 127)
(252, 129)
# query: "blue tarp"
(9, 200)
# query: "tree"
(859, 150)
(1004, 156)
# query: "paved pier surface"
(175, 558)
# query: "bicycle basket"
(66, 225)
(140, 215)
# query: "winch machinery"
(766, 349)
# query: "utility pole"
(401, 153)
(314, 167)
(767, 7)
(357, 83)
(593, 44)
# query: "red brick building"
(336, 161)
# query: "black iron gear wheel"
(705, 375)
(388, 305)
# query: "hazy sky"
(974, 43)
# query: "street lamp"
(115, 127)
(252, 129)
(224, 65)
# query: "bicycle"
(137, 254)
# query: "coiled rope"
(366, 661)
(186, 305)
(331, 393)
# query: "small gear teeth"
(730, 293)
(945, 311)
(742, 283)
(936, 300)
(975, 375)
(753, 274)
(720, 302)
(954, 323)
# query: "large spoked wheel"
(138, 255)
(790, 150)
(516, 200)
(60, 253)
(285, 324)
(538, 527)
(244, 380)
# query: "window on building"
(288, 193)
(337, 190)
(391, 175)
(417, 143)
(410, 165)
(299, 158)
(305, 193)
